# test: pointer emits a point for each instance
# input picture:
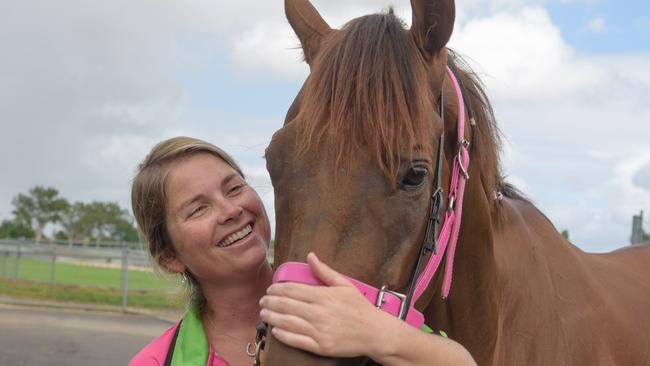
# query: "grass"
(40, 270)
(86, 284)
(91, 295)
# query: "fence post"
(125, 276)
(17, 266)
(53, 265)
(4, 263)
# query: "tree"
(565, 234)
(94, 221)
(118, 224)
(71, 221)
(41, 207)
(15, 229)
(125, 231)
(106, 220)
(101, 216)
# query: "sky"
(88, 87)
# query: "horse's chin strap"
(438, 239)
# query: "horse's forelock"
(368, 88)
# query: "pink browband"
(393, 302)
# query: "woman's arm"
(338, 321)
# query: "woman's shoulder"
(154, 353)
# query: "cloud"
(597, 25)
(270, 47)
(85, 88)
(88, 87)
(642, 177)
(586, 2)
(583, 156)
(522, 55)
(521, 50)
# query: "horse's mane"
(369, 86)
(486, 141)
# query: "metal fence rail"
(126, 257)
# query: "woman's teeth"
(236, 236)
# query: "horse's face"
(353, 167)
(354, 219)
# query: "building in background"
(638, 234)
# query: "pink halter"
(391, 301)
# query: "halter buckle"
(431, 234)
(402, 298)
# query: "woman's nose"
(229, 210)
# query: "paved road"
(30, 336)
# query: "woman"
(202, 221)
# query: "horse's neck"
(468, 315)
(508, 275)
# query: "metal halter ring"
(259, 346)
(459, 157)
(250, 353)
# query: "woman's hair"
(149, 201)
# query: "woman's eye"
(235, 189)
(196, 211)
(415, 177)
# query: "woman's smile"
(237, 237)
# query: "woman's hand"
(332, 320)
(337, 321)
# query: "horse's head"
(353, 167)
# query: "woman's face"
(217, 223)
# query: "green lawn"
(86, 284)
(93, 295)
(39, 270)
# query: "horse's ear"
(432, 24)
(308, 25)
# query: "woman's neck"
(234, 305)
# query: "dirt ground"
(34, 336)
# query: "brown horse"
(353, 170)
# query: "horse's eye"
(415, 177)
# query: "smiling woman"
(203, 221)
(163, 174)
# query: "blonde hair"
(149, 201)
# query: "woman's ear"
(169, 260)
